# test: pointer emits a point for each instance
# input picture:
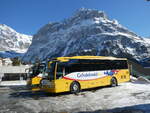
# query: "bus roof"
(89, 57)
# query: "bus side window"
(60, 71)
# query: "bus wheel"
(114, 82)
(75, 87)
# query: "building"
(5, 61)
(10, 73)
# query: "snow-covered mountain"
(87, 32)
(12, 43)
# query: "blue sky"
(28, 16)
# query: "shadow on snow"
(22, 92)
(142, 108)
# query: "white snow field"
(130, 97)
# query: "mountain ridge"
(87, 32)
(12, 42)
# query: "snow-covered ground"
(13, 83)
(130, 97)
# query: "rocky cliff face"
(87, 32)
(12, 43)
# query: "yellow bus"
(82, 72)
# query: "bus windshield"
(36, 69)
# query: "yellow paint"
(34, 83)
(65, 59)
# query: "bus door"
(61, 84)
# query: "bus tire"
(113, 82)
(75, 87)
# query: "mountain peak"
(85, 13)
(4, 27)
(10, 40)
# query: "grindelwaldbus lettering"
(86, 74)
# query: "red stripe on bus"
(82, 80)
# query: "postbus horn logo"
(111, 72)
